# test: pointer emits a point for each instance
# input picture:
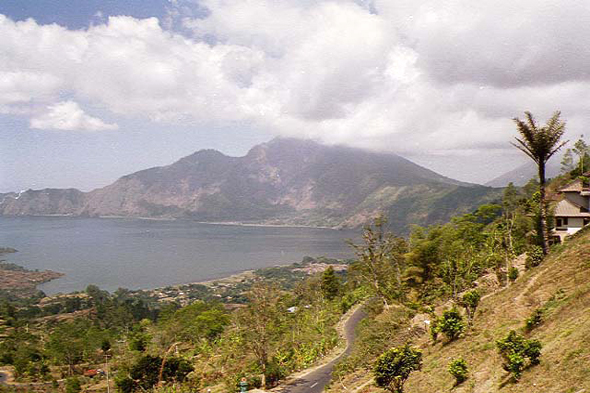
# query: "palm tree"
(540, 144)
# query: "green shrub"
(470, 301)
(393, 367)
(451, 324)
(534, 320)
(73, 385)
(434, 328)
(534, 257)
(513, 274)
(458, 369)
(515, 349)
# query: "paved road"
(315, 381)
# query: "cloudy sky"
(92, 90)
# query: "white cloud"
(68, 116)
(416, 77)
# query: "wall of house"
(574, 225)
(577, 199)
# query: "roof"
(575, 186)
(567, 208)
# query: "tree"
(66, 344)
(73, 385)
(540, 144)
(379, 258)
(330, 283)
(260, 323)
(581, 150)
(145, 373)
(567, 162)
(470, 301)
(394, 366)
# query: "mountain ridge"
(285, 181)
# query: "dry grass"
(561, 284)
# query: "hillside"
(285, 181)
(561, 286)
(522, 174)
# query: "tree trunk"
(543, 210)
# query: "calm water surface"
(129, 253)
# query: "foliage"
(380, 261)
(145, 373)
(451, 324)
(261, 324)
(470, 301)
(73, 385)
(195, 322)
(515, 349)
(512, 273)
(534, 257)
(540, 143)
(434, 329)
(567, 161)
(535, 320)
(330, 283)
(458, 369)
(393, 367)
(581, 150)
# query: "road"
(3, 377)
(315, 381)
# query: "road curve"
(314, 381)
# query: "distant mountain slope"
(285, 181)
(522, 174)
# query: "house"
(573, 212)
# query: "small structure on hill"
(573, 212)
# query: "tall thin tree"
(540, 143)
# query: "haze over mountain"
(285, 181)
(522, 174)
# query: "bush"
(434, 329)
(394, 366)
(458, 369)
(513, 273)
(515, 349)
(73, 385)
(470, 301)
(534, 257)
(451, 324)
(534, 320)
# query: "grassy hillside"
(560, 286)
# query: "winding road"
(314, 381)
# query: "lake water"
(135, 254)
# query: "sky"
(93, 90)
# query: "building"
(573, 212)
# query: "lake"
(142, 254)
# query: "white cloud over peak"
(68, 116)
(416, 77)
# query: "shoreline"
(223, 223)
(231, 278)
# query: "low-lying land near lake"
(20, 281)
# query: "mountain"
(285, 181)
(522, 174)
